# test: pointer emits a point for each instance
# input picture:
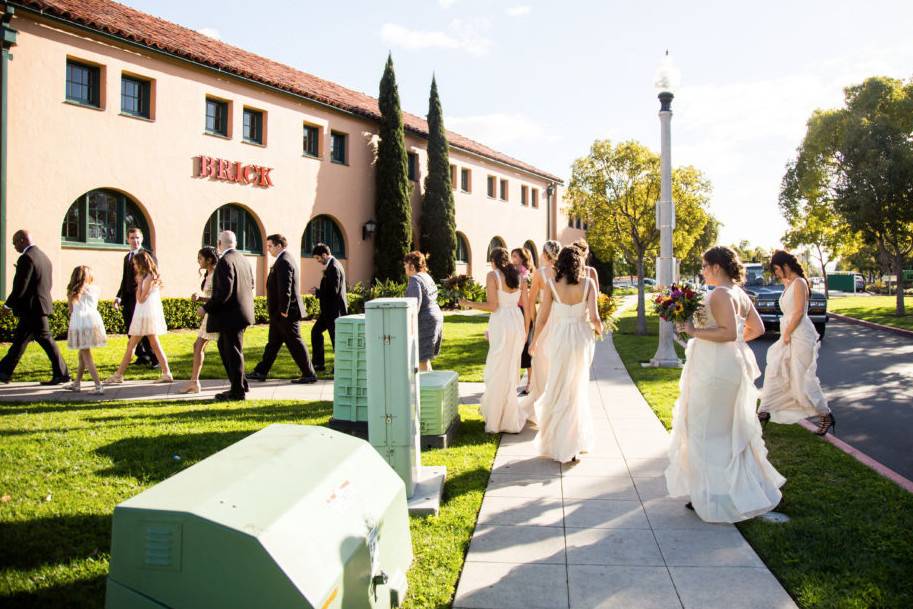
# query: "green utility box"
(391, 338)
(291, 516)
(350, 371)
(844, 282)
(439, 399)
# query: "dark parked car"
(766, 297)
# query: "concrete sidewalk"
(603, 532)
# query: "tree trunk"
(898, 268)
(827, 293)
(641, 309)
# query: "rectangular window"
(492, 187)
(535, 197)
(338, 145)
(412, 162)
(466, 180)
(83, 84)
(453, 176)
(503, 190)
(253, 126)
(311, 141)
(524, 195)
(216, 117)
(135, 96)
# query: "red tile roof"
(149, 31)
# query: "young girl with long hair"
(206, 259)
(522, 259)
(87, 330)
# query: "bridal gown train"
(500, 405)
(540, 365)
(791, 390)
(565, 423)
(717, 454)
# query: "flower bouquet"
(678, 303)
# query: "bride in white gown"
(791, 390)
(500, 404)
(717, 454)
(569, 309)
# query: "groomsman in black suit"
(333, 302)
(126, 296)
(30, 300)
(283, 300)
(231, 310)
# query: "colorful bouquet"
(677, 303)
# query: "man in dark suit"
(283, 300)
(333, 302)
(30, 300)
(126, 296)
(231, 310)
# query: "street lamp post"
(667, 78)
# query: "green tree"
(862, 156)
(690, 265)
(437, 234)
(616, 188)
(750, 253)
(393, 206)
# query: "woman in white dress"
(506, 336)
(543, 276)
(148, 318)
(584, 247)
(207, 259)
(569, 310)
(717, 454)
(791, 390)
(87, 330)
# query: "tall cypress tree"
(438, 222)
(393, 207)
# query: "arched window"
(323, 229)
(238, 220)
(531, 248)
(102, 217)
(495, 242)
(462, 249)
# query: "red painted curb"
(863, 458)
(873, 325)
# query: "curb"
(876, 466)
(872, 325)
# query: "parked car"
(766, 298)
(859, 282)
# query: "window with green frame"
(238, 220)
(462, 249)
(323, 229)
(101, 217)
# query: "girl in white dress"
(791, 389)
(148, 318)
(543, 276)
(87, 330)
(717, 455)
(207, 259)
(569, 309)
(506, 336)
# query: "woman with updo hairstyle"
(207, 258)
(500, 404)
(584, 247)
(569, 309)
(523, 260)
(430, 317)
(541, 279)
(791, 390)
(717, 454)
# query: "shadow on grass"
(54, 540)
(215, 411)
(79, 594)
(15, 408)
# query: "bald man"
(30, 300)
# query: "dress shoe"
(304, 380)
(141, 361)
(5, 379)
(256, 376)
(320, 368)
(154, 365)
(228, 396)
(57, 380)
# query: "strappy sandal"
(828, 423)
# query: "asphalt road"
(867, 376)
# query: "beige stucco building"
(116, 118)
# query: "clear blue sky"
(540, 80)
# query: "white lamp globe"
(668, 78)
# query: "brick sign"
(231, 171)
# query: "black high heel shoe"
(828, 423)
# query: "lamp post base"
(663, 363)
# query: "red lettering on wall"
(232, 171)
(248, 170)
(223, 169)
(264, 177)
(238, 174)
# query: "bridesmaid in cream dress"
(506, 336)
(717, 454)
(791, 389)
(542, 278)
(569, 310)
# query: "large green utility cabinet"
(289, 517)
(350, 371)
(391, 341)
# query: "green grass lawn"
(849, 544)
(64, 466)
(878, 309)
(463, 350)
